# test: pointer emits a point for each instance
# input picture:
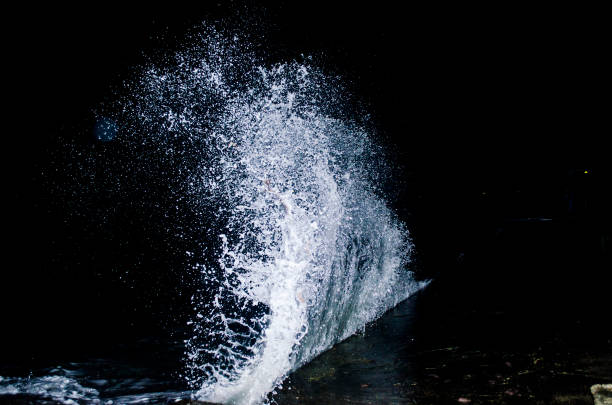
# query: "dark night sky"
(494, 113)
(451, 86)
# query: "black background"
(498, 117)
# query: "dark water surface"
(423, 351)
(514, 339)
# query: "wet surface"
(522, 317)
(525, 318)
(425, 351)
(465, 354)
(142, 371)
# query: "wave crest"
(301, 249)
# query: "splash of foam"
(54, 387)
(301, 249)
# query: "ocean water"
(299, 249)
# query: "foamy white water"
(305, 250)
(300, 249)
(61, 389)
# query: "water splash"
(299, 249)
(59, 389)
